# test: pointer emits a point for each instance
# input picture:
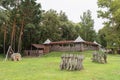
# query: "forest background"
(21, 25)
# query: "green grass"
(47, 68)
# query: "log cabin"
(62, 46)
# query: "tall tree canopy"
(31, 17)
(110, 10)
(87, 26)
(56, 26)
(24, 21)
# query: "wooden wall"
(33, 52)
(74, 47)
(46, 49)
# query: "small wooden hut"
(36, 50)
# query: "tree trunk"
(20, 36)
(13, 32)
(4, 38)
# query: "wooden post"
(7, 53)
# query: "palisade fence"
(99, 57)
(71, 62)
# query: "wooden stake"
(9, 50)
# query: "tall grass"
(47, 68)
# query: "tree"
(30, 17)
(87, 24)
(21, 19)
(68, 31)
(115, 10)
(110, 10)
(102, 37)
(56, 26)
(4, 19)
(67, 28)
(11, 7)
(50, 26)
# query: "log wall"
(74, 47)
(33, 52)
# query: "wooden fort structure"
(72, 45)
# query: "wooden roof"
(77, 40)
(90, 43)
(96, 43)
(68, 42)
(38, 46)
(62, 42)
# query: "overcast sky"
(73, 9)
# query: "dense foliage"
(87, 25)
(109, 35)
(22, 25)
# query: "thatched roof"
(47, 41)
(62, 42)
(96, 43)
(79, 39)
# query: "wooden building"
(72, 45)
(36, 50)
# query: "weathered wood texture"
(72, 47)
(16, 57)
(33, 52)
(99, 57)
(71, 62)
(9, 53)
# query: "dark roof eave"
(38, 46)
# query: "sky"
(74, 9)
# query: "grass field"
(47, 68)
